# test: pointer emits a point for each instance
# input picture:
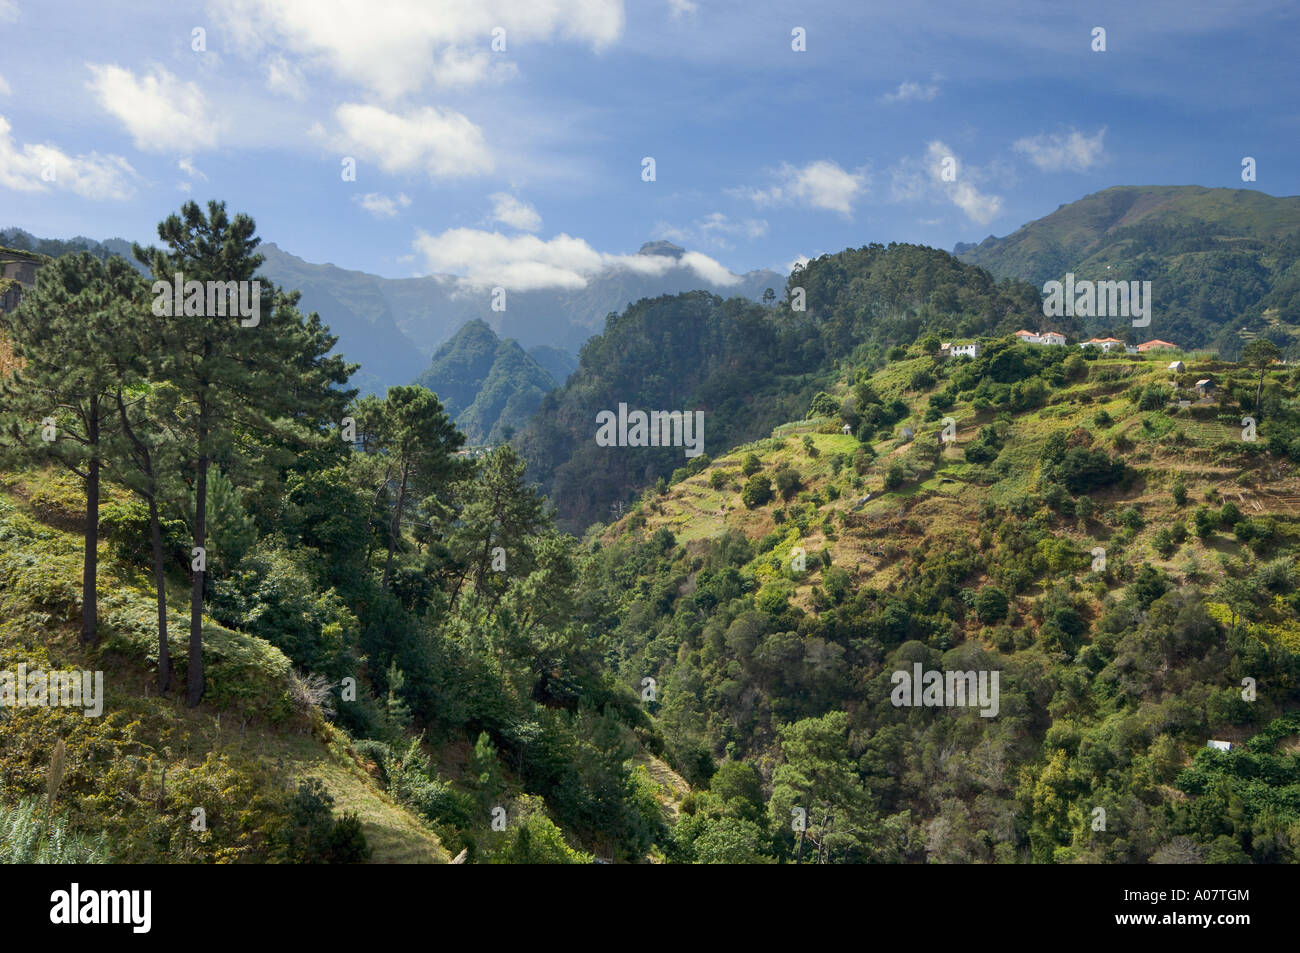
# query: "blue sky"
(524, 166)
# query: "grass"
(236, 755)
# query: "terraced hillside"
(1096, 530)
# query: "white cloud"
(161, 113)
(715, 229)
(397, 47)
(381, 206)
(683, 8)
(40, 168)
(820, 184)
(908, 92)
(283, 77)
(923, 179)
(186, 165)
(8, 11)
(514, 212)
(1054, 152)
(4, 87)
(443, 144)
(485, 259)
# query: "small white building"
(1219, 745)
(1178, 367)
(1043, 337)
(966, 350)
(1106, 344)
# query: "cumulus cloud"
(909, 92)
(283, 77)
(483, 259)
(1072, 151)
(683, 8)
(514, 212)
(8, 11)
(924, 179)
(821, 184)
(397, 47)
(43, 167)
(382, 206)
(161, 113)
(715, 229)
(4, 87)
(441, 143)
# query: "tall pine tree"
(58, 406)
(252, 393)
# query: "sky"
(506, 140)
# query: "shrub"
(991, 605)
(750, 465)
(757, 491)
(788, 482)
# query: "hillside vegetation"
(489, 387)
(1221, 261)
(1124, 562)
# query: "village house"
(949, 349)
(1156, 345)
(1106, 344)
(1178, 367)
(1043, 337)
(1204, 387)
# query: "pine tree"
(58, 405)
(251, 394)
(420, 438)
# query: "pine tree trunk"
(194, 682)
(160, 583)
(397, 525)
(90, 565)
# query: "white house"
(1044, 337)
(1219, 745)
(966, 350)
(1178, 366)
(1106, 344)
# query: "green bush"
(757, 491)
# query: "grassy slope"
(240, 749)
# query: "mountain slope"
(745, 366)
(1122, 609)
(1218, 259)
(487, 385)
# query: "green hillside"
(138, 773)
(981, 554)
(489, 387)
(748, 367)
(1219, 260)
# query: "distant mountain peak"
(666, 249)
